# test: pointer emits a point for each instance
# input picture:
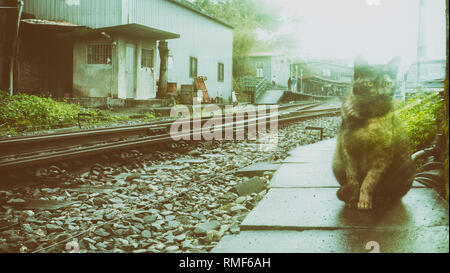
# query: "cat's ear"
(393, 65)
(360, 66)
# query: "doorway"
(131, 70)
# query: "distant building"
(324, 78)
(331, 71)
(432, 76)
(109, 48)
(269, 65)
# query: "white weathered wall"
(201, 37)
(146, 85)
(92, 80)
(281, 68)
(144, 80)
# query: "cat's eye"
(388, 84)
(369, 84)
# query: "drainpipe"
(14, 49)
(113, 46)
(113, 50)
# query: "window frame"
(220, 72)
(151, 59)
(260, 67)
(92, 58)
(192, 60)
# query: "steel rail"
(107, 130)
(60, 140)
(38, 159)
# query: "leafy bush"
(419, 116)
(24, 113)
(149, 116)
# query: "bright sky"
(377, 29)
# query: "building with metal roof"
(113, 46)
(272, 66)
(429, 75)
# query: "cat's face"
(375, 81)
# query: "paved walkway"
(301, 213)
(270, 97)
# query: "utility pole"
(301, 80)
(421, 44)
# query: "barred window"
(259, 70)
(147, 58)
(99, 54)
(220, 76)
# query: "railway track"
(17, 145)
(36, 151)
(187, 192)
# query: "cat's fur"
(372, 162)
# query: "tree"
(246, 16)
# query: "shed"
(269, 65)
(114, 45)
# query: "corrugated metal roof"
(190, 6)
(431, 70)
(48, 23)
(323, 79)
(136, 30)
(141, 30)
(265, 54)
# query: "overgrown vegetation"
(25, 113)
(425, 116)
(419, 115)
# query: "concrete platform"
(270, 97)
(308, 175)
(301, 213)
(319, 208)
(258, 169)
(419, 240)
(297, 175)
(321, 152)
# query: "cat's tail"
(432, 173)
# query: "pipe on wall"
(14, 50)
(113, 47)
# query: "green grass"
(27, 113)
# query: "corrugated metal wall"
(91, 13)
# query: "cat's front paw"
(349, 194)
(364, 205)
(365, 202)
